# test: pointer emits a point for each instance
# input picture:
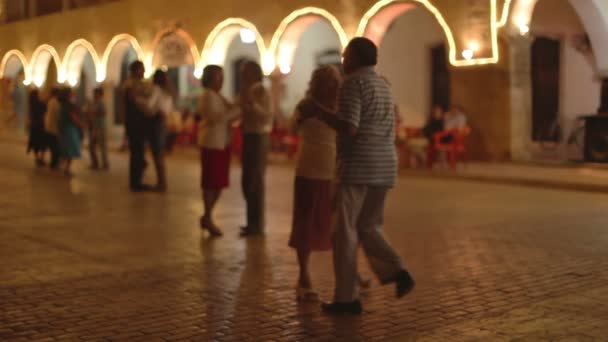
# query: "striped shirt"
(368, 158)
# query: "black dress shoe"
(404, 283)
(336, 308)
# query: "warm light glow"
(382, 4)
(39, 81)
(73, 61)
(285, 69)
(287, 55)
(219, 40)
(27, 82)
(198, 73)
(21, 59)
(268, 63)
(524, 29)
(521, 15)
(102, 70)
(474, 46)
(39, 64)
(468, 54)
(247, 36)
(72, 80)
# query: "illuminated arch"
(73, 60)
(39, 64)
(217, 43)
(592, 13)
(151, 60)
(379, 17)
(11, 62)
(504, 16)
(109, 68)
(291, 28)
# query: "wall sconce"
(468, 54)
(523, 25)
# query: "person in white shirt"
(214, 137)
(160, 105)
(256, 125)
(454, 120)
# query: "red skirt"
(312, 215)
(215, 168)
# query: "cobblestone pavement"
(84, 259)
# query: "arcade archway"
(305, 40)
(413, 56)
(231, 43)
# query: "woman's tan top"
(317, 151)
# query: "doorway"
(440, 77)
(546, 53)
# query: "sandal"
(306, 295)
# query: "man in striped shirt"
(367, 170)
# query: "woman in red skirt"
(217, 115)
(315, 171)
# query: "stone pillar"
(521, 97)
(32, 8)
(604, 98)
(3, 11)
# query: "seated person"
(455, 119)
(434, 124)
(417, 145)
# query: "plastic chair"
(455, 148)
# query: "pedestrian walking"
(215, 133)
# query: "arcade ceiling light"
(215, 46)
(382, 4)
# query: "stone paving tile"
(85, 260)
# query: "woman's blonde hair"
(325, 84)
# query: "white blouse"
(217, 115)
(317, 150)
(159, 101)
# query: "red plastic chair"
(456, 148)
(291, 143)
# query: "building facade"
(478, 54)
